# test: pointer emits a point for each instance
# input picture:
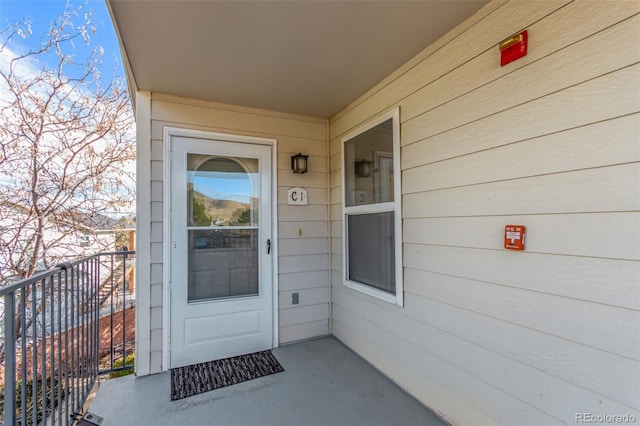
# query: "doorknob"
(269, 246)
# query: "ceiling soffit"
(304, 57)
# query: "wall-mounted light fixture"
(363, 168)
(299, 163)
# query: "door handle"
(268, 246)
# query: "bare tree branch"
(66, 143)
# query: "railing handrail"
(25, 282)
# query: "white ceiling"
(303, 57)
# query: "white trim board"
(143, 234)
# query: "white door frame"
(170, 132)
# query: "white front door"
(221, 301)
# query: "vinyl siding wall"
(552, 142)
(303, 260)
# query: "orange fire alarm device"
(514, 237)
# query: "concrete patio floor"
(324, 383)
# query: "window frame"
(394, 206)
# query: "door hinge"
(269, 246)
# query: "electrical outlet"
(295, 298)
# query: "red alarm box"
(514, 237)
(515, 47)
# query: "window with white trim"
(371, 208)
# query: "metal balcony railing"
(62, 329)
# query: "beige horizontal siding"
(571, 192)
(613, 330)
(551, 142)
(556, 356)
(230, 118)
(304, 314)
(302, 246)
(406, 349)
(562, 399)
(303, 280)
(308, 229)
(303, 331)
(303, 263)
(600, 280)
(544, 155)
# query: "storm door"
(220, 292)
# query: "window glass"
(371, 257)
(222, 211)
(222, 191)
(368, 166)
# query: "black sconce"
(299, 163)
(363, 168)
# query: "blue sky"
(42, 12)
(224, 186)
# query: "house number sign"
(297, 197)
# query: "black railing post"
(43, 384)
(9, 360)
(83, 328)
(60, 366)
(124, 309)
(23, 362)
(111, 311)
(74, 339)
(52, 353)
(68, 351)
(96, 318)
(34, 353)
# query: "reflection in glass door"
(222, 224)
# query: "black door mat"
(198, 378)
